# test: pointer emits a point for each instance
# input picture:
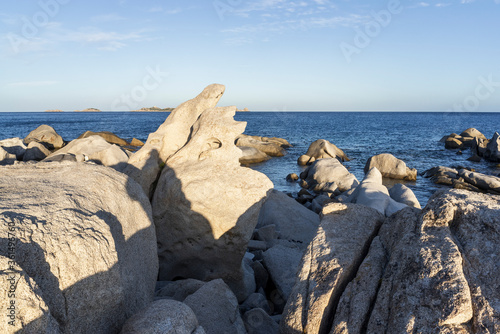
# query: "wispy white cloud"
(32, 83)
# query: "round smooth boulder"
(391, 167)
(321, 149)
(45, 134)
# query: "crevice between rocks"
(330, 311)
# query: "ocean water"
(410, 136)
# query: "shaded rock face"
(85, 243)
(402, 194)
(13, 146)
(45, 134)
(492, 152)
(429, 271)
(391, 167)
(6, 158)
(206, 205)
(171, 136)
(36, 151)
(163, 317)
(329, 175)
(321, 149)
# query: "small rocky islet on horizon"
(176, 235)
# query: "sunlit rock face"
(206, 205)
(172, 135)
(84, 245)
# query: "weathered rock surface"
(274, 147)
(257, 321)
(6, 158)
(36, 151)
(251, 155)
(216, 308)
(45, 134)
(110, 137)
(472, 132)
(163, 317)
(84, 234)
(172, 135)
(14, 146)
(391, 167)
(206, 205)
(329, 175)
(492, 151)
(94, 148)
(402, 194)
(481, 181)
(321, 149)
(330, 262)
(371, 192)
(179, 290)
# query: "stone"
(267, 233)
(14, 146)
(292, 221)
(282, 263)
(329, 263)
(257, 321)
(371, 192)
(94, 148)
(479, 146)
(36, 151)
(45, 134)
(179, 290)
(322, 173)
(391, 167)
(6, 158)
(255, 300)
(474, 158)
(271, 148)
(481, 181)
(110, 137)
(163, 317)
(257, 245)
(85, 235)
(292, 177)
(251, 155)
(136, 142)
(453, 143)
(146, 164)
(206, 205)
(402, 194)
(472, 132)
(29, 313)
(354, 306)
(321, 149)
(319, 202)
(216, 308)
(492, 152)
(261, 275)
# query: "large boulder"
(145, 165)
(94, 148)
(472, 132)
(321, 149)
(492, 151)
(329, 263)
(36, 151)
(45, 134)
(329, 175)
(14, 146)
(216, 308)
(371, 192)
(485, 182)
(6, 158)
(110, 137)
(391, 167)
(206, 205)
(84, 236)
(402, 194)
(163, 317)
(270, 146)
(251, 155)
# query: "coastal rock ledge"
(429, 271)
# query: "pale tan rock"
(251, 155)
(171, 136)
(331, 259)
(21, 300)
(136, 142)
(472, 132)
(13, 146)
(110, 137)
(391, 167)
(163, 317)
(45, 134)
(321, 149)
(324, 172)
(206, 205)
(267, 145)
(85, 235)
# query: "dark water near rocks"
(412, 137)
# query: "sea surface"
(410, 136)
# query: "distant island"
(88, 110)
(243, 110)
(155, 108)
(53, 110)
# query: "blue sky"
(272, 55)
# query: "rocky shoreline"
(176, 235)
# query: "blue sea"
(410, 136)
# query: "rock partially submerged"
(274, 147)
(85, 246)
(391, 167)
(321, 149)
(464, 179)
(328, 175)
(251, 155)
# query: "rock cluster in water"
(480, 147)
(178, 237)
